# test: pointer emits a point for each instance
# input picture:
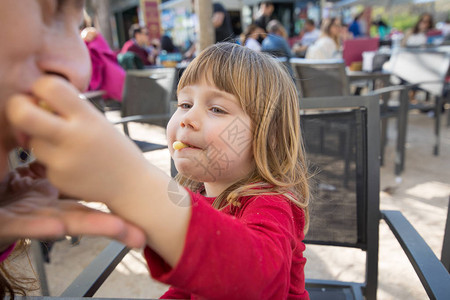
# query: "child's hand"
(30, 208)
(84, 154)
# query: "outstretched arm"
(30, 208)
(86, 157)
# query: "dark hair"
(134, 29)
(248, 31)
(431, 23)
(266, 3)
(310, 22)
(167, 44)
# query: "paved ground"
(422, 196)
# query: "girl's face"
(335, 28)
(38, 37)
(257, 33)
(218, 134)
(425, 23)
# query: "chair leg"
(40, 267)
(383, 142)
(448, 117)
(437, 123)
(445, 255)
(125, 129)
(402, 126)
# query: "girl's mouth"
(178, 145)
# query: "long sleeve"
(250, 255)
(174, 293)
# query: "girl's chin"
(196, 173)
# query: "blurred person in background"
(417, 36)
(253, 37)
(275, 42)
(329, 44)
(446, 29)
(107, 74)
(264, 15)
(222, 23)
(223, 29)
(356, 27)
(310, 35)
(139, 44)
(167, 45)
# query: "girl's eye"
(218, 110)
(184, 105)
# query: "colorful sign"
(150, 13)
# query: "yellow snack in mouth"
(45, 106)
(179, 145)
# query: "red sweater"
(251, 252)
(131, 46)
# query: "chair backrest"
(148, 92)
(341, 136)
(421, 65)
(130, 61)
(320, 78)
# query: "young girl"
(236, 229)
(328, 44)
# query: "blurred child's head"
(332, 27)
(424, 23)
(267, 98)
(46, 40)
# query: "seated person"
(417, 36)
(167, 45)
(139, 44)
(253, 37)
(310, 35)
(328, 45)
(275, 42)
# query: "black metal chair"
(445, 254)
(148, 98)
(425, 69)
(320, 78)
(345, 212)
(327, 78)
(341, 215)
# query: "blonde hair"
(326, 30)
(268, 96)
(16, 284)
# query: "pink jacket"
(107, 74)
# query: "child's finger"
(32, 120)
(61, 96)
(30, 226)
(84, 220)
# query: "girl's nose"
(65, 54)
(190, 120)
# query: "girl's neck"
(214, 189)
